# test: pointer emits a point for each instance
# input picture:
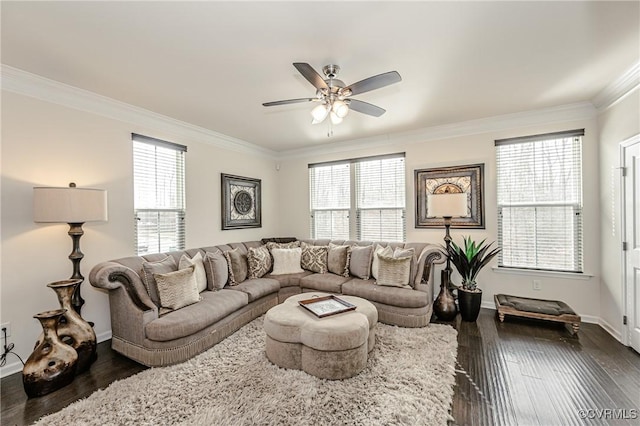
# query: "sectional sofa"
(144, 330)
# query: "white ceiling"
(213, 64)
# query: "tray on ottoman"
(549, 310)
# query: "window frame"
(354, 214)
(576, 205)
(180, 200)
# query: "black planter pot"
(469, 304)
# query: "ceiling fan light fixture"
(320, 112)
(335, 119)
(340, 108)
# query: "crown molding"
(617, 90)
(570, 112)
(32, 85)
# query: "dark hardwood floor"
(520, 372)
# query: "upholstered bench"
(332, 347)
(549, 310)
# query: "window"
(361, 199)
(159, 205)
(539, 181)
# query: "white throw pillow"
(286, 261)
(394, 271)
(197, 262)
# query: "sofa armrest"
(431, 255)
(130, 306)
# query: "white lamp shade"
(448, 204)
(319, 113)
(69, 205)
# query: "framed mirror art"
(241, 202)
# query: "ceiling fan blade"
(311, 75)
(365, 108)
(288, 101)
(375, 82)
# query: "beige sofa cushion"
(393, 296)
(214, 306)
(289, 280)
(330, 283)
(258, 287)
(394, 271)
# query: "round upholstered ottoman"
(332, 347)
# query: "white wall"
(619, 122)
(45, 144)
(581, 294)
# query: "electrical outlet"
(537, 285)
(6, 325)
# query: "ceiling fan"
(335, 97)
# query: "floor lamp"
(446, 205)
(73, 206)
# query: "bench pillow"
(286, 261)
(177, 289)
(197, 262)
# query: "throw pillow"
(274, 245)
(314, 258)
(360, 261)
(217, 270)
(237, 266)
(168, 264)
(286, 261)
(338, 259)
(410, 252)
(394, 271)
(387, 251)
(259, 261)
(177, 289)
(196, 261)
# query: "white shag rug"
(408, 380)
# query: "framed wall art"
(466, 179)
(241, 204)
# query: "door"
(631, 215)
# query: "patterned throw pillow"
(394, 271)
(338, 259)
(408, 252)
(314, 258)
(286, 261)
(292, 244)
(238, 269)
(177, 289)
(197, 262)
(259, 261)
(217, 269)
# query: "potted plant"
(469, 261)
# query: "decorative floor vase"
(73, 329)
(445, 305)
(469, 302)
(52, 364)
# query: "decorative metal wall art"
(467, 179)
(241, 205)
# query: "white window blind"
(159, 195)
(539, 181)
(361, 199)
